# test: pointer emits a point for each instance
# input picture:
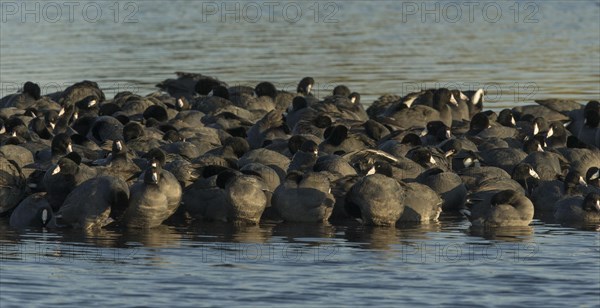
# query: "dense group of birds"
(200, 150)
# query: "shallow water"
(219, 265)
(552, 50)
(517, 51)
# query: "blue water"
(374, 47)
(218, 265)
(546, 49)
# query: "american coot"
(12, 185)
(297, 111)
(380, 105)
(203, 199)
(88, 106)
(153, 199)
(505, 158)
(487, 187)
(546, 164)
(305, 158)
(18, 154)
(473, 177)
(540, 111)
(460, 112)
(448, 185)
(577, 116)
(33, 212)
(119, 163)
(63, 177)
(61, 145)
(556, 136)
(79, 91)
(590, 131)
(421, 204)
(95, 203)
(304, 197)
(377, 200)
(346, 107)
(503, 209)
(581, 159)
(105, 128)
(506, 118)
(265, 173)
(245, 197)
(563, 106)
(435, 132)
(38, 127)
(579, 209)
(185, 172)
(545, 195)
(475, 100)
(339, 139)
(211, 104)
(266, 94)
(189, 85)
(267, 128)
(465, 159)
(440, 100)
(592, 176)
(305, 86)
(526, 176)
(429, 157)
(375, 130)
(266, 157)
(369, 161)
(406, 117)
(31, 93)
(334, 164)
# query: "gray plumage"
(421, 204)
(153, 200)
(95, 203)
(12, 185)
(245, 197)
(503, 208)
(578, 209)
(33, 212)
(448, 184)
(304, 198)
(380, 199)
(62, 178)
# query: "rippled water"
(545, 49)
(220, 265)
(517, 52)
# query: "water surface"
(219, 265)
(518, 51)
(547, 49)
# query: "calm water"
(518, 52)
(221, 265)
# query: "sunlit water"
(518, 52)
(220, 265)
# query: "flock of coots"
(201, 150)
